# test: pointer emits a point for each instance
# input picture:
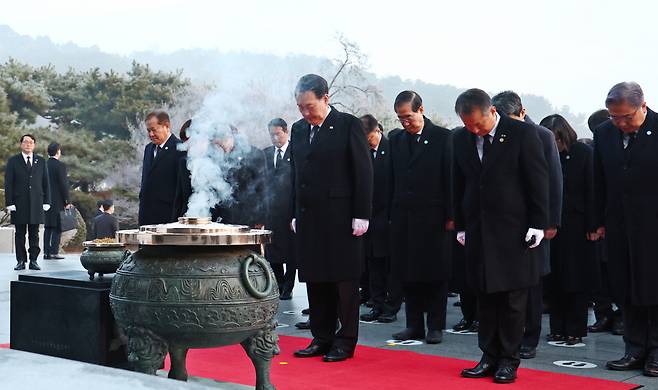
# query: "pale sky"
(572, 52)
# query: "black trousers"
(33, 238)
(52, 236)
(603, 297)
(641, 331)
(534, 310)
(502, 317)
(469, 306)
(426, 297)
(284, 278)
(568, 315)
(333, 301)
(385, 290)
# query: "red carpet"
(372, 368)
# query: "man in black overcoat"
(509, 103)
(332, 201)
(501, 207)
(626, 190)
(106, 224)
(420, 218)
(59, 195)
(278, 185)
(27, 196)
(384, 287)
(159, 171)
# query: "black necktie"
(157, 150)
(279, 157)
(314, 131)
(29, 163)
(486, 145)
(413, 141)
(373, 153)
(628, 147)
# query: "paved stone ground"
(18, 368)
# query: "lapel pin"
(288, 159)
(331, 127)
(383, 152)
(166, 147)
(649, 132)
(501, 139)
(568, 157)
(425, 142)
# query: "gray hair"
(508, 103)
(627, 92)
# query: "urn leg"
(91, 275)
(146, 350)
(178, 368)
(260, 348)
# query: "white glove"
(11, 208)
(46, 207)
(293, 225)
(538, 234)
(461, 238)
(359, 226)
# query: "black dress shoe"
(19, 266)
(434, 337)
(372, 316)
(527, 352)
(571, 340)
(603, 324)
(337, 355)
(409, 334)
(651, 368)
(312, 350)
(626, 363)
(306, 311)
(303, 325)
(475, 327)
(555, 337)
(618, 326)
(462, 325)
(33, 265)
(46, 257)
(387, 318)
(56, 257)
(480, 371)
(505, 374)
(286, 296)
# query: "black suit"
(28, 189)
(332, 184)
(626, 189)
(59, 195)
(420, 207)
(496, 201)
(105, 226)
(572, 255)
(384, 286)
(246, 177)
(535, 293)
(279, 193)
(159, 178)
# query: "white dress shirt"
(283, 151)
(479, 141)
(25, 156)
(156, 151)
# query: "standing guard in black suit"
(59, 195)
(421, 218)
(607, 319)
(106, 224)
(626, 189)
(279, 194)
(332, 202)
(509, 103)
(27, 196)
(570, 284)
(501, 211)
(385, 289)
(159, 171)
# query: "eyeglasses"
(625, 118)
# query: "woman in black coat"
(572, 257)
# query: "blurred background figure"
(59, 200)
